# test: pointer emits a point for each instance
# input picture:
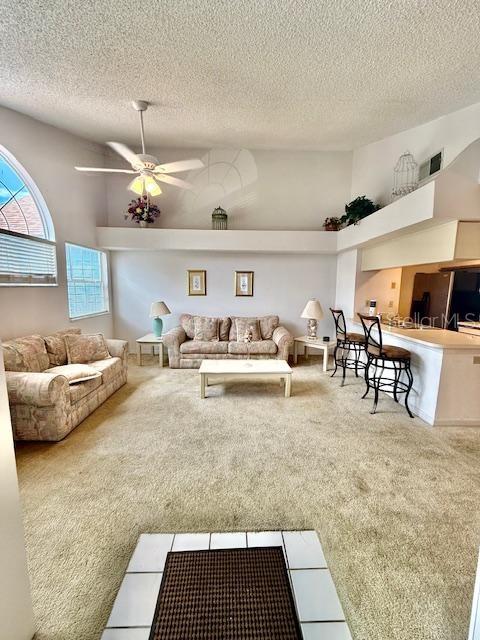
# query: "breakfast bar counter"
(446, 372)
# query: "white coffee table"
(317, 344)
(150, 339)
(255, 369)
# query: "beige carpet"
(396, 503)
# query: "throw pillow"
(233, 328)
(56, 349)
(25, 354)
(206, 329)
(224, 328)
(86, 348)
(187, 323)
(75, 373)
(243, 325)
(268, 324)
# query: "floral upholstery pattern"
(172, 340)
(43, 406)
(265, 347)
(197, 346)
(26, 354)
(267, 326)
(85, 348)
(79, 391)
(244, 325)
(224, 328)
(284, 342)
(75, 373)
(109, 368)
(205, 329)
(187, 324)
(32, 387)
(56, 348)
(186, 353)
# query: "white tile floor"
(319, 609)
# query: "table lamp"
(313, 312)
(156, 310)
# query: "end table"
(309, 343)
(150, 339)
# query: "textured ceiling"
(247, 73)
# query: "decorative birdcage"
(219, 219)
(405, 176)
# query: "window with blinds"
(26, 261)
(87, 281)
(27, 239)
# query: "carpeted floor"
(396, 503)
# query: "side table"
(150, 339)
(317, 344)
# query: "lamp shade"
(159, 309)
(313, 310)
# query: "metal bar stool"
(346, 343)
(384, 357)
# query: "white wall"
(77, 203)
(373, 164)
(259, 189)
(282, 286)
(346, 281)
(16, 612)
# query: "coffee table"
(255, 369)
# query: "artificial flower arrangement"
(142, 210)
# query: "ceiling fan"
(149, 171)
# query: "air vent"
(430, 167)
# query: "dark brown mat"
(225, 594)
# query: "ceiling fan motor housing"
(149, 162)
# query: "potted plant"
(142, 211)
(332, 224)
(358, 209)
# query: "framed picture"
(197, 282)
(244, 283)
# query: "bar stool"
(346, 343)
(385, 357)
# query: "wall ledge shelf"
(240, 241)
(454, 194)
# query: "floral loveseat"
(46, 401)
(200, 337)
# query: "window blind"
(87, 281)
(25, 260)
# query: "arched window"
(27, 237)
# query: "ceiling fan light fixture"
(151, 186)
(146, 165)
(137, 185)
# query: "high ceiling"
(298, 74)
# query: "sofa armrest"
(172, 340)
(284, 340)
(117, 348)
(37, 389)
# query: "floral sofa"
(45, 404)
(200, 337)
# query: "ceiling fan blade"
(126, 153)
(180, 165)
(105, 170)
(176, 182)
